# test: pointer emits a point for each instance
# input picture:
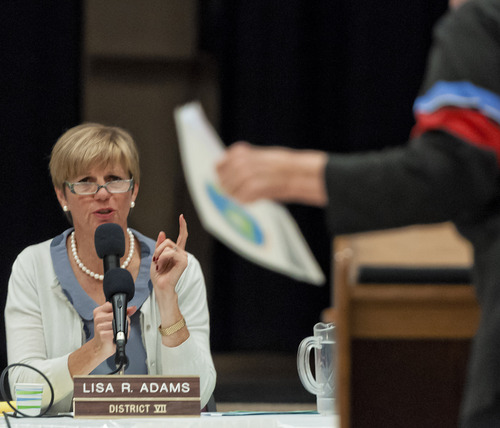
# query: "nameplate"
(123, 396)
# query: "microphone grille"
(109, 240)
(118, 280)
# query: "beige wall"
(140, 61)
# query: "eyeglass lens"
(115, 186)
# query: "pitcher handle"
(304, 366)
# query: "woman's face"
(90, 211)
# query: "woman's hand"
(169, 260)
(103, 328)
(101, 346)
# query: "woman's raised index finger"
(183, 233)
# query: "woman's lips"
(104, 213)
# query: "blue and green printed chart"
(263, 232)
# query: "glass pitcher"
(322, 384)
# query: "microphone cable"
(118, 368)
(6, 399)
(16, 411)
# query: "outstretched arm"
(249, 173)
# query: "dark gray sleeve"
(435, 178)
(464, 47)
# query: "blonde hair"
(92, 145)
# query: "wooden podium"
(395, 334)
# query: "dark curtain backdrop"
(336, 75)
(39, 99)
(333, 75)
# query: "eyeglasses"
(90, 188)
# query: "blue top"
(85, 306)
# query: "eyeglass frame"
(100, 186)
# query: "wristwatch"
(168, 331)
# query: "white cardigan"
(43, 328)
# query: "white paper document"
(263, 232)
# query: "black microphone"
(109, 244)
(119, 289)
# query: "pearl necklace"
(96, 275)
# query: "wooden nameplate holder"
(121, 396)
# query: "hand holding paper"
(263, 231)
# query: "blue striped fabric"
(462, 94)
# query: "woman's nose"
(102, 193)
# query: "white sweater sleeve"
(193, 357)
(38, 324)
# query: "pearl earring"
(65, 208)
(132, 204)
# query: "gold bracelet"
(168, 331)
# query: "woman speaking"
(57, 317)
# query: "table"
(212, 420)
